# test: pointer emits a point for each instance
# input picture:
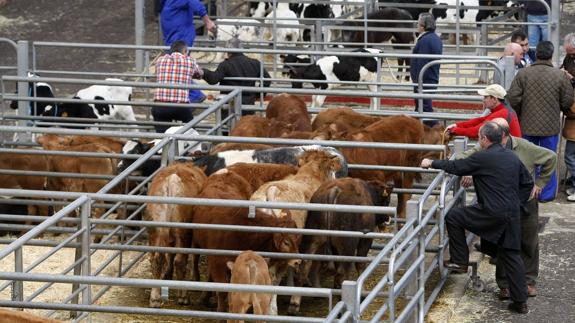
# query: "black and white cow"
(293, 61)
(338, 68)
(103, 111)
(311, 11)
(284, 155)
(137, 147)
(40, 90)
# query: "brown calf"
(176, 180)
(289, 110)
(249, 268)
(251, 126)
(226, 184)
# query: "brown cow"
(289, 110)
(385, 130)
(316, 167)
(227, 184)
(176, 180)
(251, 126)
(8, 316)
(342, 120)
(249, 268)
(350, 191)
(25, 162)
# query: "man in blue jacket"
(177, 21)
(427, 43)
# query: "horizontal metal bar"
(159, 311)
(153, 283)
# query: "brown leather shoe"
(504, 294)
(518, 307)
(455, 268)
(531, 291)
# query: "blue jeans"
(427, 105)
(537, 33)
(549, 142)
(570, 158)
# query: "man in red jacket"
(494, 100)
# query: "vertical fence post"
(140, 28)
(554, 32)
(18, 285)
(349, 295)
(85, 251)
(482, 51)
(459, 146)
(236, 108)
(411, 212)
(508, 72)
(168, 152)
(22, 71)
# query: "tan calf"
(8, 316)
(176, 180)
(249, 268)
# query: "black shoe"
(456, 268)
(477, 247)
(518, 307)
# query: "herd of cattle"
(256, 172)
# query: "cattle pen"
(54, 266)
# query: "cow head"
(102, 108)
(36, 89)
(292, 61)
(133, 147)
(381, 196)
(287, 242)
(436, 135)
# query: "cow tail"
(332, 199)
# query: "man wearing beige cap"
(493, 100)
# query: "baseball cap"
(495, 90)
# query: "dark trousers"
(529, 246)
(473, 219)
(170, 114)
(427, 106)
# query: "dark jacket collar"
(544, 62)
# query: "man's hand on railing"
(466, 181)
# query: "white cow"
(283, 35)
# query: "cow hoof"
(155, 303)
(183, 301)
(293, 309)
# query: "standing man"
(502, 183)
(494, 101)
(511, 49)
(537, 13)
(519, 37)
(532, 156)
(177, 20)
(238, 65)
(174, 68)
(569, 128)
(177, 23)
(538, 94)
(427, 43)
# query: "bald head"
(504, 125)
(515, 50)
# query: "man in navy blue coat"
(427, 43)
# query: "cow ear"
(230, 265)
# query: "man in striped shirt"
(175, 68)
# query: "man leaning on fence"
(532, 157)
(175, 68)
(538, 94)
(502, 184)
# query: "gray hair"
(427, 21)
(234, 42)
(570, 40)
(492, 131)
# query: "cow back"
(251, 126)
(290, 109)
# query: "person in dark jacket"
(238, 65)
(502, 184)
(427, 43)
(538, 94)
(536, 12)
(518, 36)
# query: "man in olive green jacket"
(532, 156)
(538, 94)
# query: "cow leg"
(161, 269)
(183, 240)
(219, 273)
(363, 247)
(317, 101)
(343, 270)
(373, 88)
